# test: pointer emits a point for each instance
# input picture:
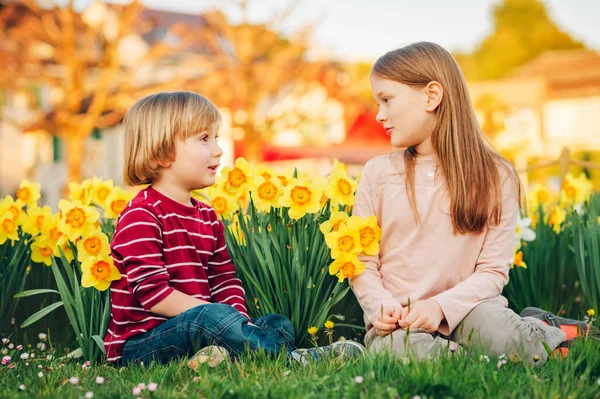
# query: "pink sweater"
(428, 260)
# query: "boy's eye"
(204, 138)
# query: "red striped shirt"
(160, 245)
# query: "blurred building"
(543, 106)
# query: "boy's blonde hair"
(154, 123)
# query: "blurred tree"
(252, 69)
(522, 31)
(85, 64)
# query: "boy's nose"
(380, 117)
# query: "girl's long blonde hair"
(468, 161)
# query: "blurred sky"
(365, 29)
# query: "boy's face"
(196, 160)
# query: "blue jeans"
(212, 324)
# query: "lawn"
(255, 376)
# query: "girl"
(448, 206)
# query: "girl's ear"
(435, 93)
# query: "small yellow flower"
(341, 188)
(538, 196)
(81, 192)
(336, 219)
(41, 251)
(93, 245)
(101, 190)
(116, 201)
(591, 312)
(28, 193)
(8, 228)
(346, 266)
(98, 272)
(518, 262)
(302, 196)
(329, 325)
(345, 240)
(266, 193)
(312, 331)
(77, 219)
(575, 190)
(556, 218)
(36, 218)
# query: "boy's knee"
(275, 320)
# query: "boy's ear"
(435, 93)
(163, 163)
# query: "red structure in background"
(365, 139)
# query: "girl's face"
(405, 113)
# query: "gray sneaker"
(339, 349)
(212, 355)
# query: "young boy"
(179, 294)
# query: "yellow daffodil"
(575, 191)
(63, 244)
(302, 196)
(8, 228)
(92, 245)
(312, 331)
(264, 171)
(334, 222)
(15, 208)
(36, 218)
(345, 240)
(329, 324)
(266, 193)
(77, 219)
(346, 266)
(81, 192)
(518, 262)
(41, 251)
(556, 218)
(28, 193)
(285, 176)
(591, 312)
(237, 176)
(98, 272)
(50, 229)
(539, 196)
(101, 189)
(340, 166)
(223, 203)
(341, 188)
(116, 201)
(369, 233)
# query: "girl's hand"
(425, 314)
(387, 321)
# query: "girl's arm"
(491, 271)
(368, 286)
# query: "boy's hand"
(387, 320)
(425, 314)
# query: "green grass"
(255, 376)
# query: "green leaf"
(41, 313)
(100, 343)
(36, 292)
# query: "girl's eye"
(385, 100)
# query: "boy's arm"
(176, 303)
(224, 286)
(138, 241)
